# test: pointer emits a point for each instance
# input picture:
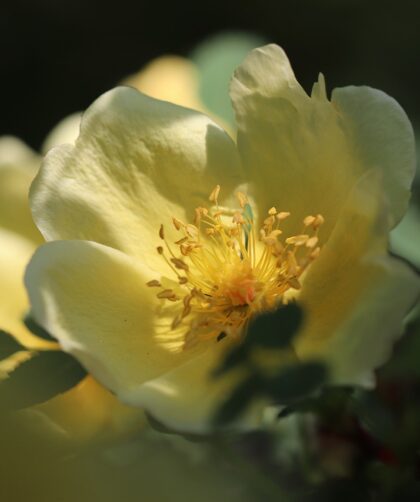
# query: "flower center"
(227, 271)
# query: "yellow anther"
(166, 294)
(181, 265)
(242, 198)
(177, 223)
(315, 253)
(294, 283)
(271, 239)
(224, 274)
(269, 221)
(185, 249)
(199, 213)
(309, 220)
(187, 300)
(186, 311)
(292, 263)
(214, 194)
(176, 322)
(312, 242)
(297, 240)
(238, 218)
(154, 284)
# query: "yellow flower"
(88, 410)
(148, 282)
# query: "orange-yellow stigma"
(228, 272)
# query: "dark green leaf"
(40, 378)
(405, 361)
(295, 382)
(216, 59)
(36, 329)
(275, 330)
(330, 403)
(405, 259)
(8, 345)
(375, 416)
(235, 357)
(237, 401)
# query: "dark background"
(58, 56)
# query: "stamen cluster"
(227, 271)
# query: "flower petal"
(187, 398)
(355, 295)
(18, 166)
(88, 411)
(15, 252)
(95, 301)
(136, 163)
(383, 137)
(305, 153)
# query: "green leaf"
(238, 400)
(375, 416)
(235, 357)
(8, 345)
(331, 403)
(297, 381)
(404, 365)
(36, 329)
(276, 329)
(216, 59)
(40, 378)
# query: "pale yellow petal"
(89, 411)
(305, 153)
(18, 166)
(187, 398)
(136, 163)
(355, 296)
(15, 253)
(95, 301)
(382, 137)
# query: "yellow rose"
(148, 283)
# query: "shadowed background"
(58, 56)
